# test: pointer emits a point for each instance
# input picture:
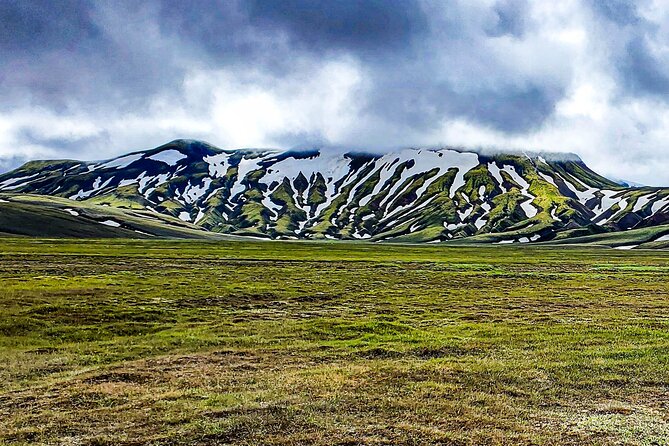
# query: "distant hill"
(413, 195)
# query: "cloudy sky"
(90, 80)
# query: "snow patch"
(526, 205)
(200, 216)
(659, 205)
(362, 236)
(641, 202)
(11, 183)
(121, 162)
(414, 227)
(582, 196)
(127, 182)
(112, 223)
(170, 157)
(452, 226)
(218, 164)
(246, 165)
(71, 169)
(273, 207)
(554, 213)
(97, 186)
(333, 167)
(495, 171)
(424, 161)
(548, 179)
(480, 222)
(193, 193)
(607, 202)
(466, 213)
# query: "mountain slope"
(44, 216)
(415, 195)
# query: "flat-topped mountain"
(414, 195)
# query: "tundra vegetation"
(183, 342)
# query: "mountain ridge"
(414, 194)
(186, 144)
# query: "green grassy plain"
(293, 343)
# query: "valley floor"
(200, 343)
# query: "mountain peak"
(189, 147)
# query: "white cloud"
(219, 106)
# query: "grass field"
(197, 343)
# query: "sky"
(95, 79)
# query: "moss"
(317, 192)
(274, 343)
(121, 197)
(290, 214)
(475, 178)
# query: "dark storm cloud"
(31, 28)
(118, 55)
(227, 28)
(78, 54)
(455, 72)
(394, 39)
(355, 25)
(514, 110)
(639, 71)
(272, 34)
(642, 72)
(510, 18)
(621, 12)
(38, 43)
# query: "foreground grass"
(174, 342)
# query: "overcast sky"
(91, 80)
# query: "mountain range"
(190, 189)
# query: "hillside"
(43, 216)
(414, 195)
